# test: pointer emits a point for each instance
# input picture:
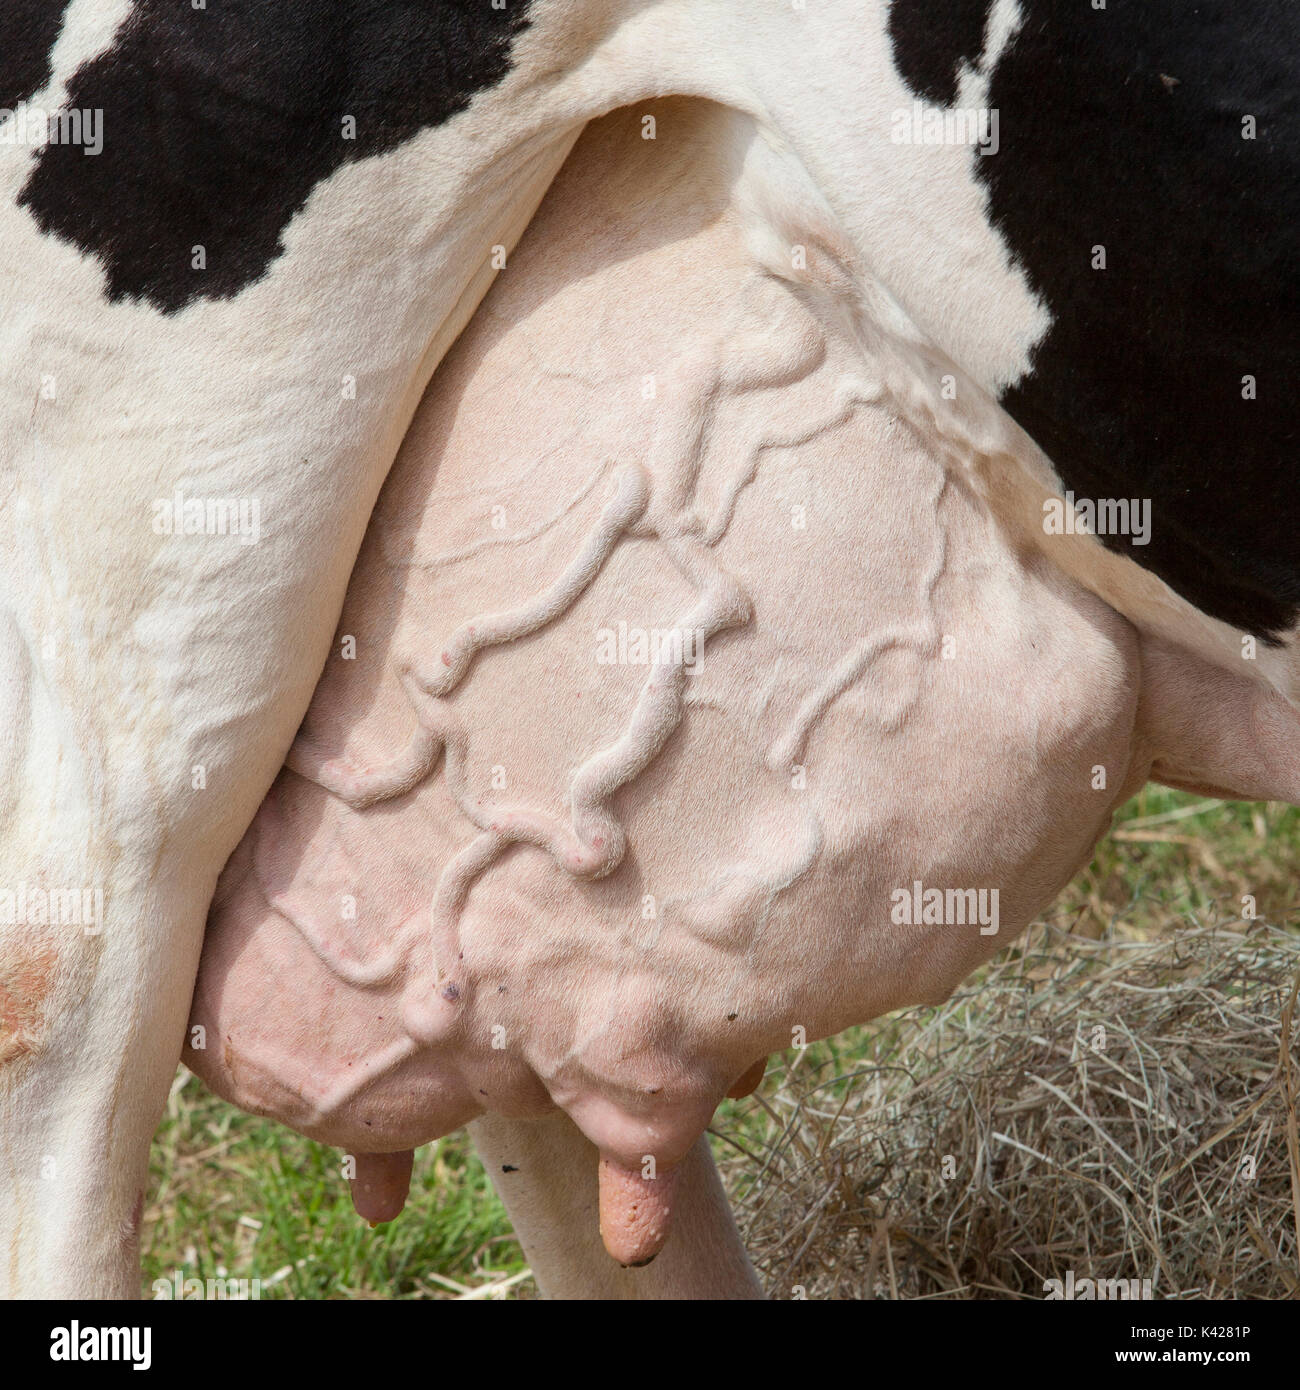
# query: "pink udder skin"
(373, 1031)
(511, 864)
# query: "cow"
(1047, 262)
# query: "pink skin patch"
(635, 1212)
(26, 980)
(381, 1184)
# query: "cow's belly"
(672, 659)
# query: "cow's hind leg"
(546, 1173)
(149, 687)
(90, 1030)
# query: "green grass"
(239, 1197)
(233, 1196)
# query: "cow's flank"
(1147, 184)
(221, 121)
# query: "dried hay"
(1122, 1109)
